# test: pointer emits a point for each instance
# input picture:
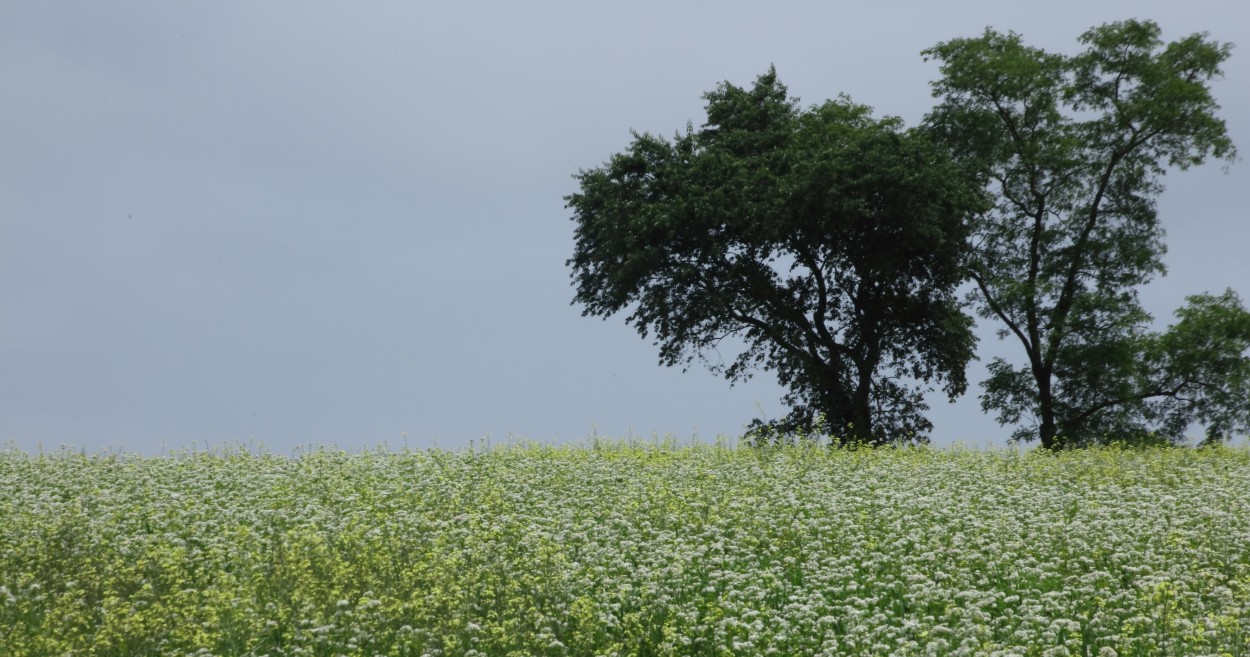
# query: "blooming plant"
(627, 549)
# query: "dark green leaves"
(827, 242)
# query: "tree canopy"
(824, 241)
(1072, 150)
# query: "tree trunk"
(1046, 406)
(862, 412)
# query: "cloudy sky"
(342, 223)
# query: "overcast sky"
(338, 223)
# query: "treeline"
(833, 244)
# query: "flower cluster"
(627, 549)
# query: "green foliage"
(1072, 149)
(627, 548)
(825, 241)
(1199, 369)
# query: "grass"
(627, 549)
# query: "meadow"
(626, 549)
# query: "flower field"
(627, 549)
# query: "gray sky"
(335, 223)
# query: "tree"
(1072, 150)
(827, 242)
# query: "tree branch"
(822, 297)
(997, 308)
(1067, 295)
(1142, 396)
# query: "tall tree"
(828, 242)
(1072, 150)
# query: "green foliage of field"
(627, 549)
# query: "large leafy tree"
(828, 242)
(1072, 150)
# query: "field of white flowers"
(627, 549)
